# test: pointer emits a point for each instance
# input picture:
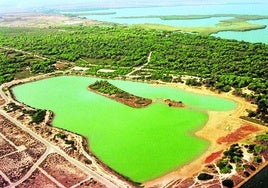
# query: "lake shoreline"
(84, 154)
(119, 95)
(212, 130)
(206, 132)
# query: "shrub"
(258, 149)
(228, 183)
(204, 176)
(70, 142)
(60, 135)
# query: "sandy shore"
(219, 124)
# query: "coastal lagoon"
(139, 143)
(116, 16)
(260, 35)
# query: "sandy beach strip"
(219, 124)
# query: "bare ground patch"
(38, 179)
(19, 137)
(41, 20)
(5, 147)
(3, 182)
(62, 170)
(16, 165)
(91, 183)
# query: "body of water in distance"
(249, 8)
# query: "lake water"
(250, 8)
(260, 35)
(139, 143)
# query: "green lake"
(139, 143)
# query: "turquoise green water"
(260, 35)
(139, 143)
(259, 8)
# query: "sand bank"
(219, 124)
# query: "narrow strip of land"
(108, 90)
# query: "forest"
(217, 63)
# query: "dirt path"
(140, 67)
(24, 52)
(34, 167)
(28, 53)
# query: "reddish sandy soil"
(213, 156)
(91, 183)
(222, 129)
(37, 179)
(239, 134)
(19, 137)
(5, 147)
(2, 101)
(132, 101)
(62, 170)
(16, 165)
(3, 182)
(173, 103)
(60, 65)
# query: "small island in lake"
(172, 103)
(106, 89)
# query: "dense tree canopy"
(222, 64)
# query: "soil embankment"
(172, 103)
(108, 90)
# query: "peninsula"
(106, 89)
(50, 52)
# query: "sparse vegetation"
(37, 115)
(234, 156)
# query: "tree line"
(220, 63)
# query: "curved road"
(140, 67)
